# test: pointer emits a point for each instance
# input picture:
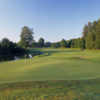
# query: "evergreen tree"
(91, 35)
(5, 43)
(97, 42)
(85, 31)
(48, 44)
(55, 45)
(72, 43)
(89, 41)
(82, 43)
(41, 42)
(63, 43)
(69, 42)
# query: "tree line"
(27, 41)
(91, 35)
(89, 40)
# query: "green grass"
(57, 74)
(54, 64)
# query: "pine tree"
(41, 42)
(85, 31)
(90, 40)
(63, 43)
(97, 42)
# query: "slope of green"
(54, 64)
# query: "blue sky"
(51, 19)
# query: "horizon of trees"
(91, 35)
(89, 40)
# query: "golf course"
(50, 50)
(56, 74)
(53, 64)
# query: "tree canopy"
(26, 37)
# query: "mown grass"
(57, 74)
(54, 64)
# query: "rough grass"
(51, 90)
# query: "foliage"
(48, 44)
(55, 45)
(97, 40)
(41, 43)
(8, 50)
(26, 37)
(63, 43)
(91, 35)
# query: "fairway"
(53, 64)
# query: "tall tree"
(41, 42)
(8, 50)
(85, 31)
(82, 43)
(26, 37)
(55, 45)
(48, 44)
(5, 43)
(69, 42)
(97, 42)
(63, 43)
